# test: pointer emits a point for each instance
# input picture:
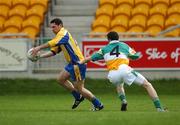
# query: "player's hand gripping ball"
(31, 57)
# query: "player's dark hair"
(57, 21)
(112, 36)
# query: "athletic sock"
(96, 102)
(157, 103)
(122, 97)
(76, 94)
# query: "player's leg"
(78, 73)
(141, 80)
(63, 81)
(153, 94)
(116, 77)
(122, 96)
(88, 95)
(131, 76)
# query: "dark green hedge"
(50, 86)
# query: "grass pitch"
(56, 110)
(20, 105)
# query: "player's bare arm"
(46, 54)
(86, 60)
(38, 48)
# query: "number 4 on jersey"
(115, 51)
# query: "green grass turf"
(44, 102)
(56, 110)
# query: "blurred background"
(149, 26)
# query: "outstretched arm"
(135, 56)
(38, 48)
(42, 54)
(87, 59)
(94, 57)
(46, 54)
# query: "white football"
(31, 57)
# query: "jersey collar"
(114, 41)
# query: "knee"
(60, 80)
(79, 88)
(147, 84)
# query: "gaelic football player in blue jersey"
(116, 55)
(64, 42)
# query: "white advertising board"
(13, 55)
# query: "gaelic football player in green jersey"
(116, 55)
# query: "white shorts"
(125, 74)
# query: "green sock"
(157, 103)
(122, 97)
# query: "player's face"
(55, 28)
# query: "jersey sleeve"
(97, 56)
(54, 41)
(55, 50)
(133, 54)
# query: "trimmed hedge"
(102, 86)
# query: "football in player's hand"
(31, 57)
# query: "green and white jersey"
(115, 54)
